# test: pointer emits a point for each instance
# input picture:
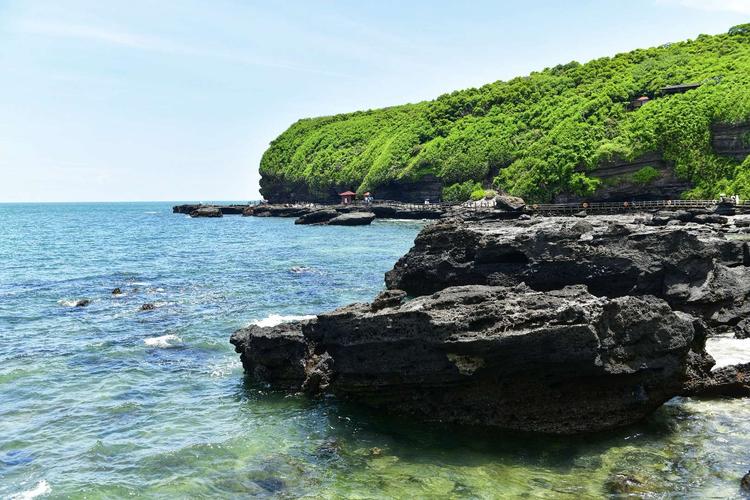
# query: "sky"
(178, 99)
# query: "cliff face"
(731, 140)
(276, 190)
(619, 182)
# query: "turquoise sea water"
(107, 401)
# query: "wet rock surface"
(729, 381)
(557, 362)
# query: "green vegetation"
(461, 191)
(646, 175)
(539, 135)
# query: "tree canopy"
(542, 134)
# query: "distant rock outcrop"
(206, 212)
(353, 219)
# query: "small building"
(637, 103)
(347, 197)
(679, 89)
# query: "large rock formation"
(557, 362)
(558, 325)
(701, 269)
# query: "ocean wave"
(41, 488)
(727, 350)
(70, 302)
(301, 269)
(163, 342)
(277, 319)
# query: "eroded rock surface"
(700, 268)
(562, 361)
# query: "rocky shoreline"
(547, 324)
(317, 214)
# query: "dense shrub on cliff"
(539, 135)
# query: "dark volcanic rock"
(698, 268)
(267, 210)
(509, 203)
(147, 307)
(206, 212)
(185, 209)
(745, 483)
(318, 217)
(353, 219)
(232, 209)
(731, 381)
(417, 212)
(82, 303)
(563, 361)
(117, 291)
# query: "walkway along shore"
(502, 205)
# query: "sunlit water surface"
(108, 401)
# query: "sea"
(112, 401)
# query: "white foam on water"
(41, 488)
(277, 319)
(68, 302)
(163, 342)
(727, 350)
(300, 269)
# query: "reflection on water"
(108, 401)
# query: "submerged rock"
(561, 361)
(353, 219)
(117, 291)
(745, 483)
(82, 303)
(701, 269)
(147, 307)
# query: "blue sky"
(177, 100)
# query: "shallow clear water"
(108, 401)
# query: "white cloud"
(160, 45)
(737, 6)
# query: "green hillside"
(539, 135)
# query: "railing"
(545, 208)
(622, 206)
